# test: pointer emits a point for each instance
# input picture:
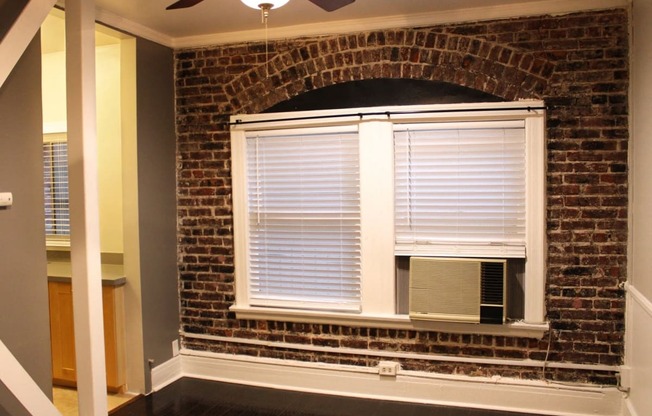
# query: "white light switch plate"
(6, 199)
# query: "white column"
(84, 210)
(377, 225)
(135, 361)
(535, 267)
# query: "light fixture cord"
(266, 50)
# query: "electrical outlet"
(175, 347)
(388, 368)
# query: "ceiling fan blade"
(182, 4)
(331, 5)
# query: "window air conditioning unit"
(458, 290)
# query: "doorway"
(113, 67)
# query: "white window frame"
(378, 292)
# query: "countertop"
(112, 274)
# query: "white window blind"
(460, 189)
(304, 219)
(55, 180)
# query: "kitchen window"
(55, 183)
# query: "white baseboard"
(167, 373)
(494, 393)
(638, 339)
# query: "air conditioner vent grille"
(492, 283)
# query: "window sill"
(57, 245)
(401, 322)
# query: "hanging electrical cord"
(545, 361)
(265, 8)
(266, 49)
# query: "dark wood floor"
(192, 397)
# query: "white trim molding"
(495, 393)
(389, 22)
(635, 373)
(640, 299)
(515, 329)
(167, 373)
(403, 355)
(133, 28)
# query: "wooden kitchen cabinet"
(62, 335)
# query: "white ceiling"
(212, 16)
(225, 21)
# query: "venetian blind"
(460, 189)
(304, 219)
(55, 180)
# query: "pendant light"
(265, 6)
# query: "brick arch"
(382, 92)
(298, 67)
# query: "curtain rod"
(386, 113)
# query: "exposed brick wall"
(577, 63)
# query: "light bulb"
(256, 4)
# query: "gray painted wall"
(157, 200)
(24, 321)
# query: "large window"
(327, 209)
